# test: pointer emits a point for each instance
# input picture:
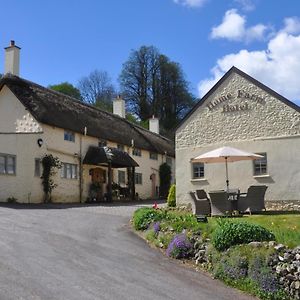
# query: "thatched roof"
(56, 109)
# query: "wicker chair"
(220, 205)
(254, 200)
(202, 205)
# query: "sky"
(64, 40)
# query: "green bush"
(143, 217)
(172, 196)
(230, 233)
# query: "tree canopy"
(97, 89)
(66, 88)
(152, 84)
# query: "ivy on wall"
(50, 165)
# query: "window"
(68, 171)
(153, 156)
(121, 177)
(138, 178)
(137, 152)
(260, 165)
(198, 170)
(120, 147)
(37, 167)
(7, 164)
(102, 143)
(69, 136)
(169, 161)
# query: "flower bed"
(242, 254)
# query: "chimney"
(154, 125)
(119, 107)
(12, 59)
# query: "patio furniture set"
(221, 203)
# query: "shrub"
(172, 196)
(143, 217)
(230, 233)
(179, 247)
(12, 200)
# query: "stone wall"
(258, 114)
(283, 205)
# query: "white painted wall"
(19, 133)
(271, 127)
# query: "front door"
(98, 179)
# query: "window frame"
(5, 165)
(121, 177)
(200, 172)
(260, 166)
(69, 136)
(69, 168)
(37, 171)
(138, 178)
(153, 155)
(137, 152)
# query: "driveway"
(83, 253)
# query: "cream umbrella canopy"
(226, 154)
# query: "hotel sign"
(236, 107)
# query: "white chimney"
(12, 59)
(154, 125)
(119, 107)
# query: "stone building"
(241, 112)
(36, 121)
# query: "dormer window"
(69, 136)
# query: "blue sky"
(65, 40)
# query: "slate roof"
(247, 77)
(59, 110)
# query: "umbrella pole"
(227, 180)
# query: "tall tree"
(154, 85)
(66, 88)
(97, 89)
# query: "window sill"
(198, 179)
(262, 176)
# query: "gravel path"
(83, 253)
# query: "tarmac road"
(83, 253)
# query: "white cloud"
(190, 3)
(292, 25)
(233, 27)
(278, 66)
(247, 5)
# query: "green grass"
(286, 227)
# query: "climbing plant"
(164, 179)
(50, 164)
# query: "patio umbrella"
(225, 154)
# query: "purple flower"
(156, 227)
(179, 247)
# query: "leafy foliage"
(154, 85)
(164, 179)
(97, 89)
(179, 247)
(171, 200)
(50, 163)
(143, 217)
(230, 233)
(66, 88)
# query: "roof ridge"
(249, 78)
(10, 76)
